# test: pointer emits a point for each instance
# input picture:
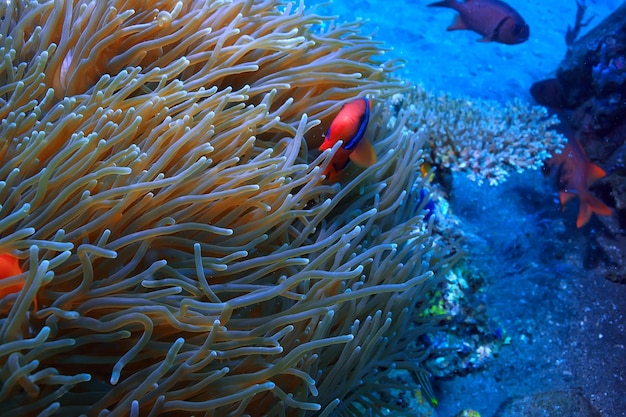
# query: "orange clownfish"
(9, 267)
(349, 127)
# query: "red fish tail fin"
(594, 173)
(591, 204)
(565, 197)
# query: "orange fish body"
(349, 127)
(494, 19)
(577, 174)
(9, 267)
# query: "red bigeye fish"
(495, 20)
(550, 93)
(577, 173)
(349, 127)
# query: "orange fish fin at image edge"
(9, 268)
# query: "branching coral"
(484, 139)
(185, 252)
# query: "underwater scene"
(274, 208)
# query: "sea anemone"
(185, 251)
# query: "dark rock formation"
(590, 92)
(595, 64)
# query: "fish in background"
(550, 93)
(494, 19)
(576, 174)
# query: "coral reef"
(468, 339)
(483, 139)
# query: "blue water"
(454, 61)
(566, 323)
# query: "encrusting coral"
(483, 139)
(185, 252)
